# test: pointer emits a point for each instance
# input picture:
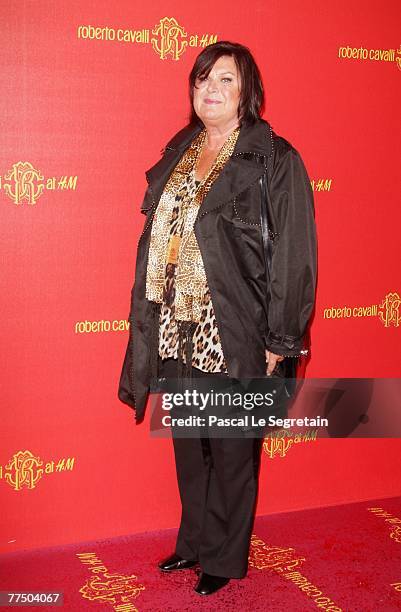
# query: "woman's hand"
(271, 360)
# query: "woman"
(202, 305)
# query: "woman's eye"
(201, 79)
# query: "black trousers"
(218, 485)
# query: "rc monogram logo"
(24, 183)
(170, 39)
(390, 313)
(24, 470)
(398, 58)
(113, 589)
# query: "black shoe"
(174, 562)
(208, 584)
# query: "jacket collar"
(247, 163)
(254, 138)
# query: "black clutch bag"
(289, 366)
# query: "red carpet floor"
(345, 557)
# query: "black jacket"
(251, 313)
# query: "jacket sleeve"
(294, 259)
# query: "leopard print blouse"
(207, 352)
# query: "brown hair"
(251, 104)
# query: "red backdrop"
(85, 112)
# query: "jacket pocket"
(246, 206)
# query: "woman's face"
(216, 97)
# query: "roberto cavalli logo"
(107, 587)
(24, 470)
(277, 444)
(388, 311)
(24, 183)
(387, 55)
(168, 38)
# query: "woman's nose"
(211, 85)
